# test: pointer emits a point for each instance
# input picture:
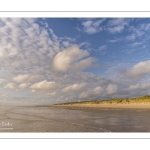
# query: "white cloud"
(139, 70)
(5, 95)
(23, 85)
(103, 47)
(112, 89)
(21, 78)
(114, 40)
(130, 37)
(74, 87)
(117, 25)
(66, 43)
(117, 21)
(84, 94)
(44, 85)
(72, 58)
(35, 78)
(138, 32)
(116, 29)
(142, 86)
(11, 86)
(7, 50)
(92, 26)
(1, 81)
(25, 43)
(136, 44)
(52, 94)
(78, 29)
(98, 90)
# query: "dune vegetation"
(141, 99)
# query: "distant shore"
(130, 105)
(138, 102)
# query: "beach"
(115, 105)
(74, 119)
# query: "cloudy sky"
(46, 61)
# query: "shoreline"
(126, 106)
(77, 118)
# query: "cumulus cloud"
(44, 85)
(72, 58)
(139, 70)
(98, 90)
(74, 87)
(21, 78)
(52, 94)
(23, 85)
(33, 91)
(112, 89)
(92, 93)
(142, 86)
(11, 86)
(84, 94)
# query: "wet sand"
(73, 119)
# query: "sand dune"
(130, 105)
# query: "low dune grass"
(141, 99)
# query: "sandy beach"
(75, 118)
(41, 119)
(127, 105)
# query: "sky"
(46, 61)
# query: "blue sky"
(45, 61)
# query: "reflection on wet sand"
(59, 119)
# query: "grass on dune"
(141, 99)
